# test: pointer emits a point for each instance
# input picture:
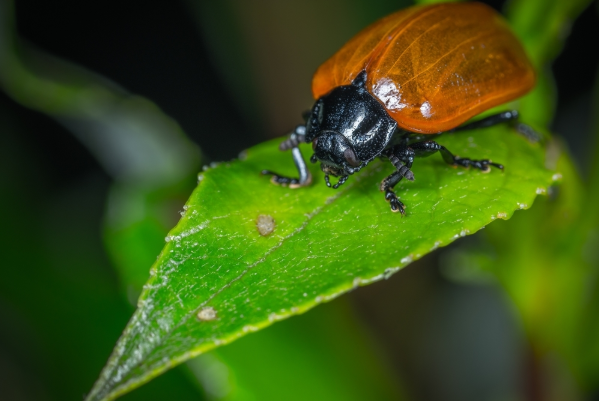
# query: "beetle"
(410, 76)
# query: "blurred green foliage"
(59, 295)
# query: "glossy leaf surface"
(324, 243)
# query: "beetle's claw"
(281, 180)
(499, 166)
(482, 165)
(397, 206)
(395, 203)
(486, 165)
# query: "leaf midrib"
(154, 372)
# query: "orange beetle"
(422, 70)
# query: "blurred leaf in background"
(57, 285)
(544, 259)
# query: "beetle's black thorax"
(354, 113)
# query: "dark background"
(155, 50)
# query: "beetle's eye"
(314, 142)
(351, 158)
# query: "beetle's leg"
(403, 162)
(507, 116)
(387, 187)
(305, 178)
(528, 132)
(489, 121)
(404, 139)
(427, 148)
(295, 138)
(402, 158)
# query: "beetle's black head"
(336, 154)
(348, 128)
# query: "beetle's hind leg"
(490, 121)
(510, 116)
(305, 178)
(427, 148)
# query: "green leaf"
(324, 243)
(541, 261)
(328, 348)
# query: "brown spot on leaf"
(207, 314)
(265, 224)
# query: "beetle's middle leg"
(305, 178)
(427, 148)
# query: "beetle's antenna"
(340, 182)
(326, 179)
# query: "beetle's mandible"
(418, 72)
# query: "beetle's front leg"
(387, 187)
(402, 158)
(305, 178)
